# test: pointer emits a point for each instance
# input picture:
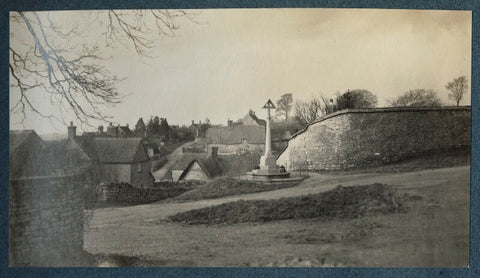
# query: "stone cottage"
(26, 148)
(115, 159)
(195, 167)
(45, 205)
(236, 139)
(252, 119)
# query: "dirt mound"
(341, 202)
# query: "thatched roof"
(20, 137)
(236, 134)
(113, 150)
(26, 151)
(212, 167)
(252, 117)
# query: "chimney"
(193, 122)
(100, 129)
(112, 130)
(214, 152)
(200, 122)
(251, 112)
(229, 122)
(72, 131)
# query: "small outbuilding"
(193, 167)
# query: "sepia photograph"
(267, 137)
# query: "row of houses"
(117, 154)
(109, 159)
(240, 137)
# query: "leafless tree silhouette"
(458, 87)
(417, 97)
(308, 111)
(73, 75)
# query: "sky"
(230, 61)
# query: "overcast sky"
(234, 60)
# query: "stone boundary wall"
(356, 138)
(46, 221)
(124, 193)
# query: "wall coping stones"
(379, 110)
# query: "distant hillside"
(53, 136)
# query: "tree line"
(306, 111)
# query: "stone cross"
(268, 140)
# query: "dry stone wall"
(126, 194)
(362, 138)
(46, 221)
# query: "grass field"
(433, 231)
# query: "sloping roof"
(18, 137)
(113, 150)
(212, 167)
(140, 123)
(126, 130)
(251, 119)
(185, 159)
(256, 119)
(235, 134)
(26, 154)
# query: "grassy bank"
(227, 186)
(341, 202)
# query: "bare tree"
(52, 58)
(284, 105)
(417, 97)
(310, 110)
(458, 87)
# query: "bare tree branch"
(77, 82)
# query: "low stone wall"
(123, 193)
(46, 221)
(367, 137)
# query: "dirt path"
(171, 160)
(315, 184)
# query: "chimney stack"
(229, 123)
(214, 152)
(100, 129)
(72, 131)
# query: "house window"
(139, 168)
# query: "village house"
(251, 119)
(114, 159)
(199, 130)
(236, 139)
(31, 156)
(117, 131)
(26, 148)
(195, 167)
(46, 204)
(140, 129)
